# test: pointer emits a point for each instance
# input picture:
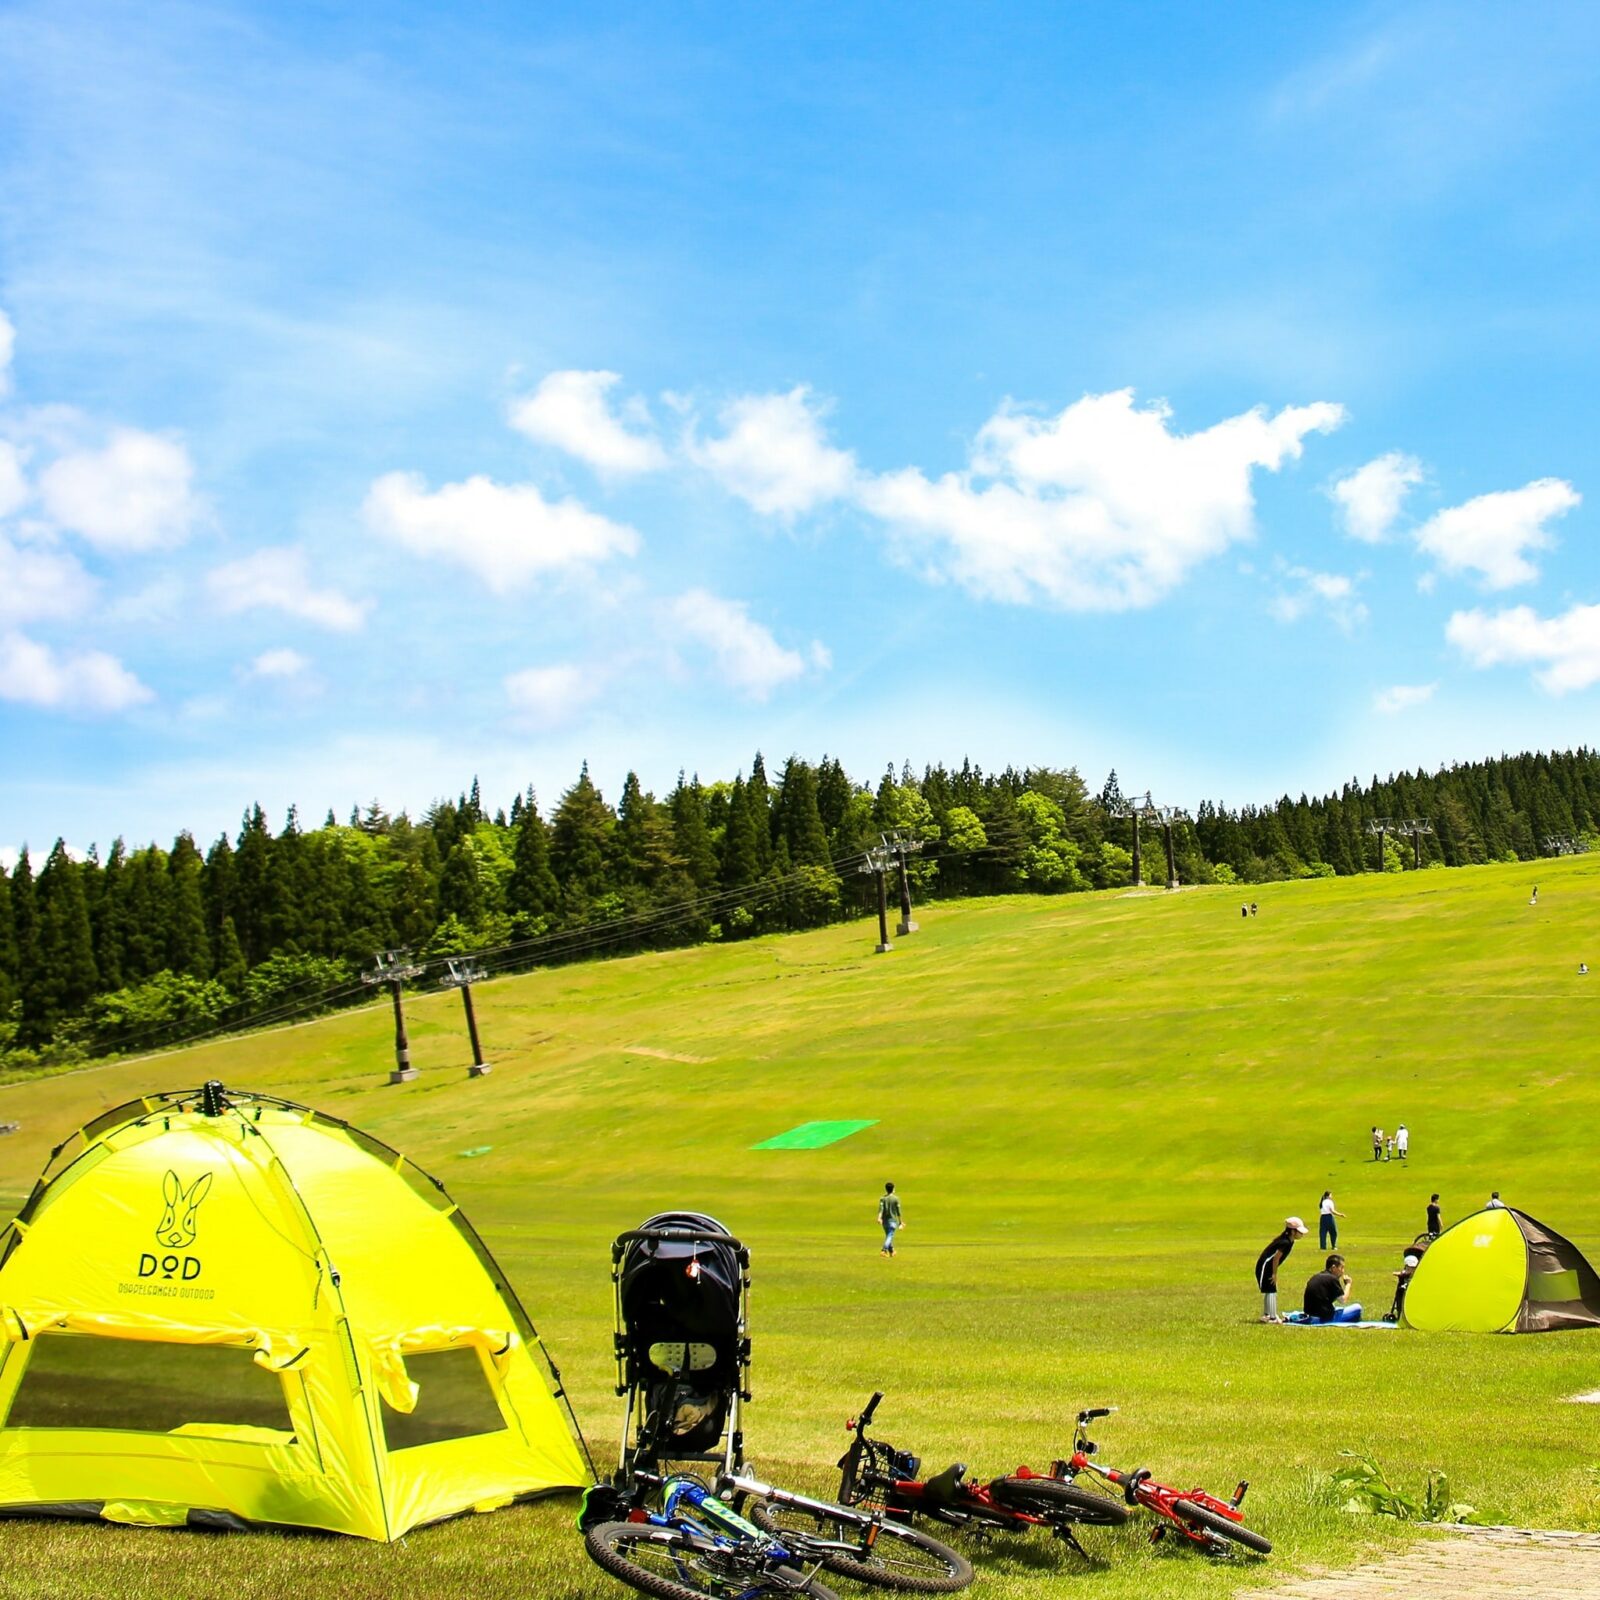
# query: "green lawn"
(1096, 1109)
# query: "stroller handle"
(677, 1236)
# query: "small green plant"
(1364, 1489)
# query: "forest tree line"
(128, 949)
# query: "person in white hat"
(1268, 1262)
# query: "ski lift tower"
(900, 844)
(1139, 808)
(877, 862)
(463, 973)
(1414, 828)
(1382, 827)
(392, 968)
(1169, 816)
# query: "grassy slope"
(1097, 1110)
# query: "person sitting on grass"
(1325, 1289)
(1268, 1262)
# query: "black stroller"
(1409, 1258)
(683, 1353)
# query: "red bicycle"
(1204, 1520)
(879, 1474)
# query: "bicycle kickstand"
(1069, 1536)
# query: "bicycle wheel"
(669, 1564)
(900, 1557)
(1223, 1527)
(1059, 1502)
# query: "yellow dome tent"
(1502, 1271)
(223, 1308)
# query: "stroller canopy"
(680, 1275)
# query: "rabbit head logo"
(177, 1227)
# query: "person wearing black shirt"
(1324, 1288)
(1268, 1262)
(1434, 1223)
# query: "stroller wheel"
(673, 1565)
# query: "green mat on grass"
(813, 1135)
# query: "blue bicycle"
(697, 1546)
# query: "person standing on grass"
(889, 1218)
(1434, 1217)
(1377, 1144)
(1268, 1262)
(1495, 1202)
(1402, 1141)
(1327, 1222)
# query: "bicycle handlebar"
(872, 1405)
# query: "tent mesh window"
(88, 1381)
(454, 1401)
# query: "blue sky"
(390, 397)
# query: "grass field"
(1097, 1110)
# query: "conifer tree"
(108, 917)
(188, 947)
(800, 822)
(25, 929)
(461, 886)
(531, 891)
(760, 797)
(579, 835)
(691, 836)
(630, 837)
(741, 852)
(252, 865)
(8, 947)
(230, 967)
(216, 886)
(66, 978)
(145, 914)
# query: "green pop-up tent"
(1500, 1271)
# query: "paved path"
(1471, 1564)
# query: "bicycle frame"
(890, 1475)
(869, 1522)
(1140, 1489)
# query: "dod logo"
(176, 1230)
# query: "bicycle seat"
(943, 1487)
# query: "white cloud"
(282, 663)
(13, 484)
(88, 680)
(569, 410)
(1565, 649)
(1100, 507)
(39, 583)
(276, 579)
(774, 455)
(8, 343)
(1490, 535)
(10, 855)
(506, 534)
(742, 650)
(550, 696)
(1308, 590)
(1369, 499)
(1401, 697)
(135, 494)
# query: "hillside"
(1097, 1108)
